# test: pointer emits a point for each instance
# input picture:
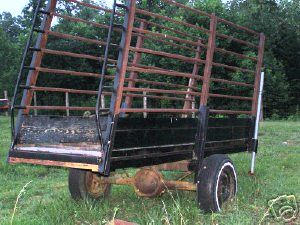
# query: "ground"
(46, 199)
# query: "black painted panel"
(137, 132)
(144, 135)
(58, 129)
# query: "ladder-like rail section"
(177, 65)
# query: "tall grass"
(48, 200)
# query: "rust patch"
(180, 166)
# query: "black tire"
(84, 184)
(216, 182)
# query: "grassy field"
(46, 199)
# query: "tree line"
(279, 20)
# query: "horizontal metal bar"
(90, 5)
(143, 12)
(140, 68)
(158, 97)
(224, 36)
(91, 92)
(76, 55)
(78, 38)
(151, 155)
(220, 111)
(236, 54)
(64, 150)
(161, 91)
(64, 108)
(137, 19)
(166, 42)
(73, 73)
(75, 19)
(153, 146)
(168, 55)
(160, 83)
(158, 70)
(230, 97)
(163, 72)
(169, 110)
(237, 26)
(179, 5)
(159, 110)
(231, 82)
(73, 91)
(165, 36)
(167, 28)
(234, 68)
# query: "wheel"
(216, 182)
(85, 184)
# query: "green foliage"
(47, 201)
(279, 20)
(9, 57)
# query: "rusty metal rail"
(158, 70)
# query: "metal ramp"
(64, 139)
(67, 140)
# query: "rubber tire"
(78, 188)
(208, 179)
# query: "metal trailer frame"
(120, 141)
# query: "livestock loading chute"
(201, 76)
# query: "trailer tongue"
(154, 97)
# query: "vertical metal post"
(136, 60)
(117, 94)
(201, 137)
(192, 81)
(67, 104)
(255, 136)
(145, 103)
(193, 107)
(204, 110)
(102, 101)
(6, 97)
(209, 60)
(38, 56)
(257, 73)
(35, 103)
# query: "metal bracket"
(201, 136)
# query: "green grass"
(47, 201)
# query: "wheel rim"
(226, 185)
(95, 185)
